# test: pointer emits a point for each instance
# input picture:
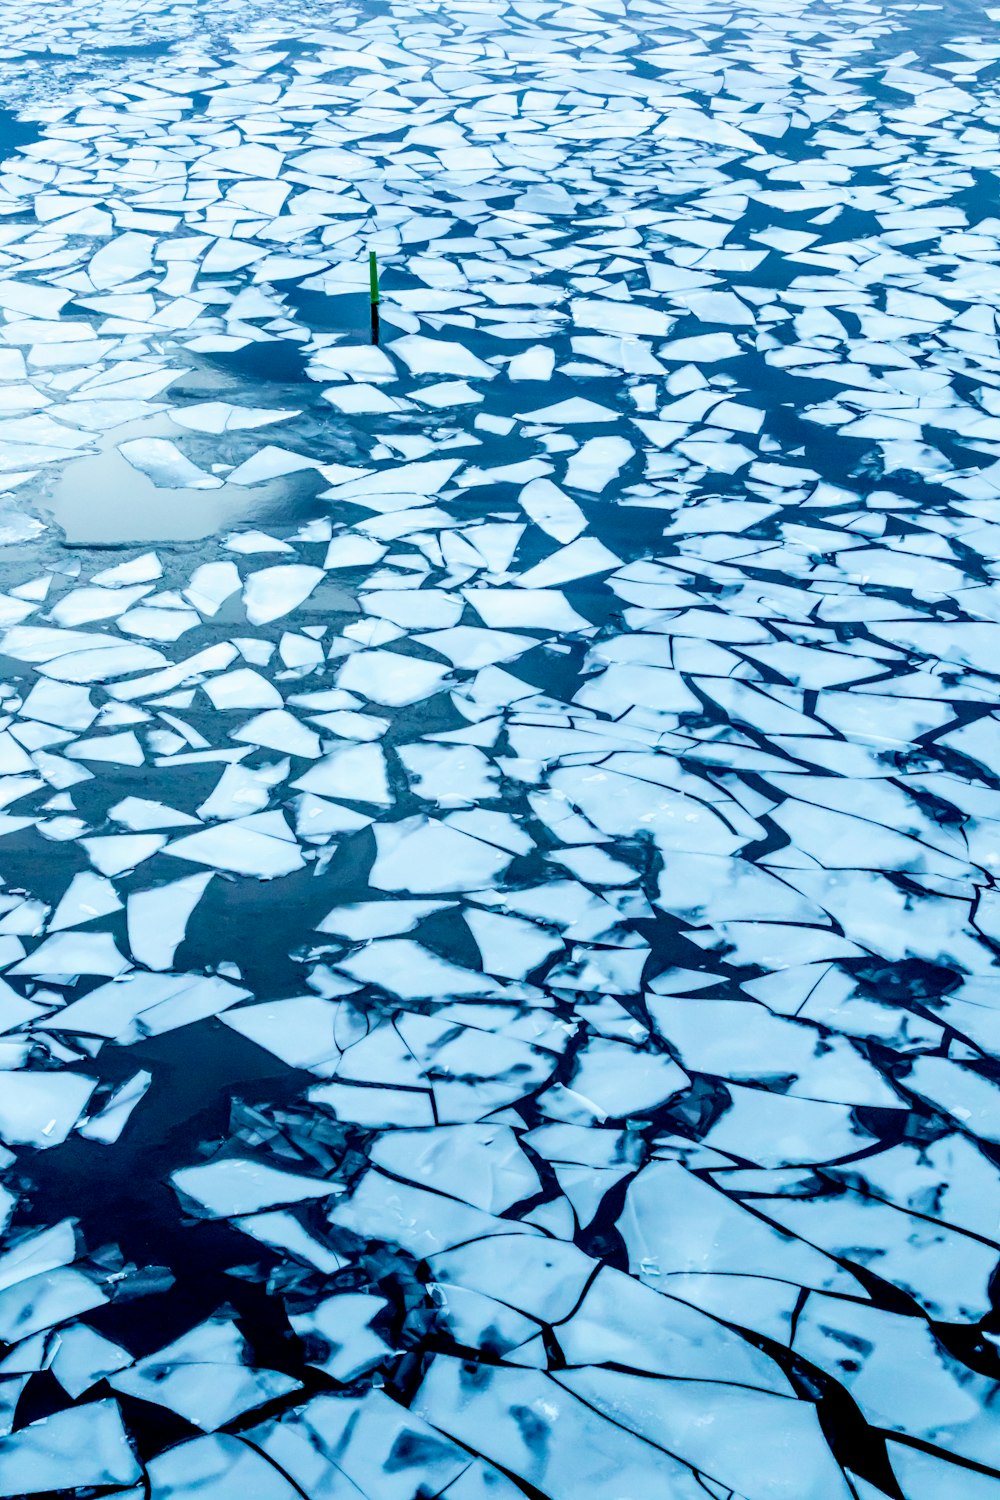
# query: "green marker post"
(373, 291)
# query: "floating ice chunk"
(221, 416)
(726, 1432)
(215, 1464)
(402, 479)
(375, 1106)
(158, 918)
(702, 349)
(391, 678)
(74, 953)
(39, 643)
(340, 1326)
(370, 919)
(144, 569)
(419, 854)
(40, 1109)
(242, 688)
(234, 1185)
(614, 1079)
(83, 1446)
(118, 749)
(447, 393)
(140, 814)
(102, 665)
(543, 609)
(357, 774)
(60, 703)
(678, 1223)
(211, 585)
(261, 844)
(403, 967)
(283, 1232)
(272, 592)
(301, 1031)
(593, 466)
(107, 1126)
(452, 775)
(277, 729)
(83, 606)
(116, 853)
(510, 946)
(241, 791)
(122, 259)
(360, 399)
(82, 1358)
(165, 464)
(86, 898)
(269, 462)
(42, 1251)
(553, 511)
(361, 361)
(353, 552)
(203, 1376)
(249, 543)
(536, 363)
(620, 317)
(623, 1322)
(576, 411)
(409, 607)
(481, 1164)
(579, 559)
(426, 356)
(472, 647)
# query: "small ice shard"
(157, 919)
(108, 1125)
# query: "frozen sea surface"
(499, 831)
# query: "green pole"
(373, 277)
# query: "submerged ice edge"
(499, 939)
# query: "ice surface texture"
(499, 830)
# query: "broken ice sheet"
(776, 749)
